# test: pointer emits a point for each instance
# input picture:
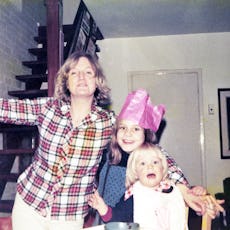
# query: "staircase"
(20, 142)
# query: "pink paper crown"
(139, 109)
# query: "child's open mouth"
(151, 176)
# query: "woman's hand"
(97, 202)
(197, 199)
(213, 206)
(198, 190)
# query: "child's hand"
(97, 202)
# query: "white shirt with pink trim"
(155, 210)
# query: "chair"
(196, 222)
(206, 223)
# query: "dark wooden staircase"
(20, 142)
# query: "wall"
(18, 26)
(70, 8)
(208, 52)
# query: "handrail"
(94, 32)
(54, 40)
(69, 48)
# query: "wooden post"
(54, 39)
(206, 222)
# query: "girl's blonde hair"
(147, 148)
(115, 150)
(101, 95)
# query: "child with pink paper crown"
(136, 125)
(150, 199)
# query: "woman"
(52, 191)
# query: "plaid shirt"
(174, 171)
(64, 166)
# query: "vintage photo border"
(224, 120)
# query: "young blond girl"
(151, 199)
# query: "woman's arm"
(174, 171)
(193, 201)
(20, 112)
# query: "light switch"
(211, 109)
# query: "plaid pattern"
(62, 172)
(174, 171)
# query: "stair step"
(8, 128)
(38, 51)
(6, 206)
(17, 151)
(32, 77)
(12, 177)
(43, 39)
(40, 40)
(42, 34)
(21, 94)
(35, 64)
(42, 30)
(33, 81)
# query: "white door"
(179, 91)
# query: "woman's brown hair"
(101, 95)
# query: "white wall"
(209, 52)
(70, 8)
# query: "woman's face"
(149, 169)
(81, 79)
(129, 135)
